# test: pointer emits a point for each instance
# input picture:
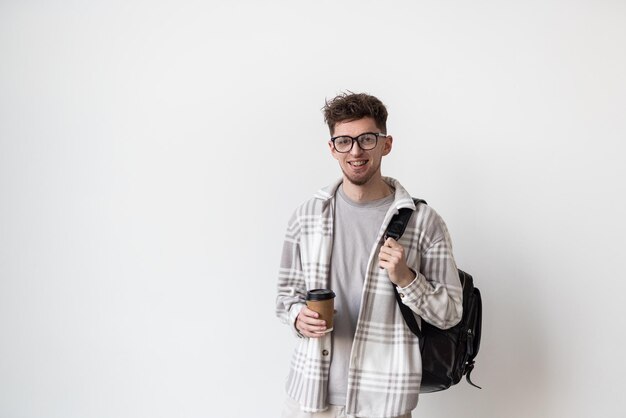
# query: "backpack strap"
(469, 367)
(398, 223)
(408, 316)
(396, 228)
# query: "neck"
(373, 190)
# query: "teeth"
(357, 163)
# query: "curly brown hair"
(353, 106)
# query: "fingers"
(311, 316)
(392, 243)
(391, 254)
(391, 246)
(309, 325)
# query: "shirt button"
(324, 352)
(401, 295)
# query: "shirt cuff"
(415, 290)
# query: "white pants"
(292, 410)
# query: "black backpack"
(447, 354)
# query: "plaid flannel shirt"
(385, 366)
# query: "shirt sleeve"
(291, 289)
(436, 294)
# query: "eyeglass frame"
(377, 134)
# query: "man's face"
(358, 166)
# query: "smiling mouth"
(359, 163)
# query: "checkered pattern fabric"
(385, 366)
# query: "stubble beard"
(362, 181)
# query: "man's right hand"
(308, 324)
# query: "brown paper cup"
(322, 301)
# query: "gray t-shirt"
(356, 229)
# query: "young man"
(369, 365)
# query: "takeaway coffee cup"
(322, 301)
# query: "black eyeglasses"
(366, 141)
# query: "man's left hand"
(391, 257)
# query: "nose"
(356, 149)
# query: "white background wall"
(151, 153)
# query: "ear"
(388, 145)
(332, 149)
